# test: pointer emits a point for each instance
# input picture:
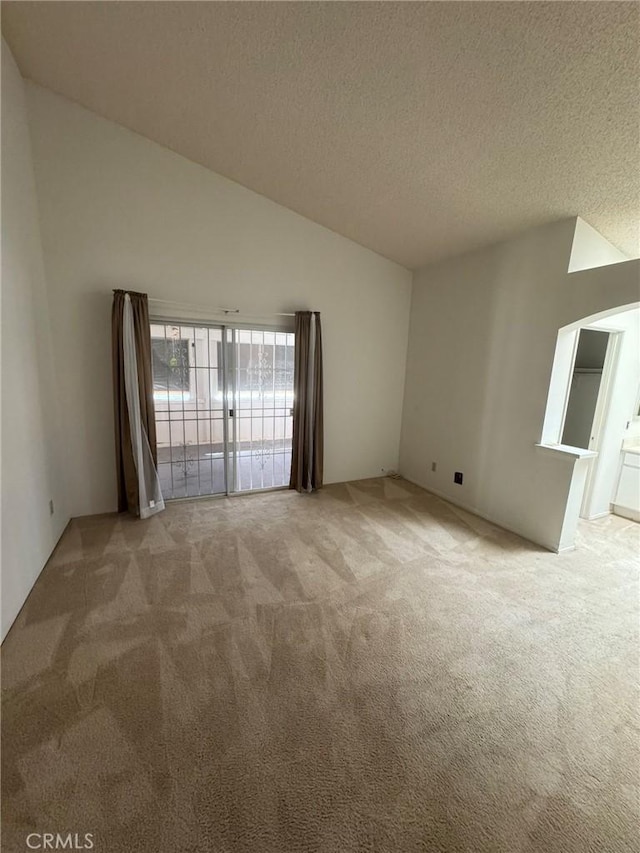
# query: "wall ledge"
(568, 451)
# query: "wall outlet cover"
(457, 477)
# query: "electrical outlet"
(457, 477)
(50, 507)
(433, 466)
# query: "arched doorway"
(593, 405)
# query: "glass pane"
(264, 399)
(189, 387)
(189, 409)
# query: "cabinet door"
(628, 494)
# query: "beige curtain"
(307, 443)
(135, 426)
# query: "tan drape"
(127, 479)
(307, 442)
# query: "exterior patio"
(191, 470)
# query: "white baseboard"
(626, 512)
(488, 518)
(597, 515)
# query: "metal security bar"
(262, 382)
(189, 403)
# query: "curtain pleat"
(135, 427)
(307, 443)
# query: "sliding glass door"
(261, 387)
(188, 393)
(224, 402)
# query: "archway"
(608, 400)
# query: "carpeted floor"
(365, 669)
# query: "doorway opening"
(592, 410)
(588, 399)
(224, 407)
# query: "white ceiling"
(420, 130)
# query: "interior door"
(583, 398)
(581, 423)
(260, 375)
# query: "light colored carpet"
(365, 669)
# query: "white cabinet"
(627, 498)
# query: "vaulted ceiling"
(419, 130)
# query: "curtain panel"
(308, 440)
(135, 427)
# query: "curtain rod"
(216, 310)
(211, 308)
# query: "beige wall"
(120, 211)
(32, 470)
(483, 336)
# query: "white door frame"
(601, 412)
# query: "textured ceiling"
(420, 130)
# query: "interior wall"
(481, 347)
(120, 211)
(589, 249)
(592, 349)
(31, 466)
